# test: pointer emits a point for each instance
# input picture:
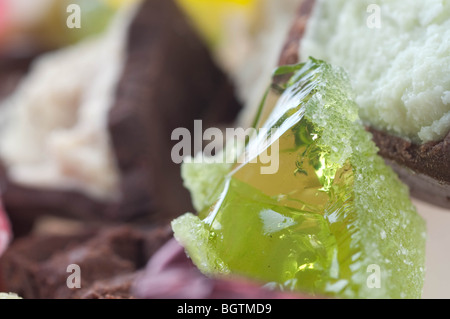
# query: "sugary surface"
(397, 53)
(334, 220)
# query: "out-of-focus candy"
(44, 23)
(95, 16)
(5, 230)
(171, 274)
(116, 4)
(211, 17)
(3, 18)
(10, 295)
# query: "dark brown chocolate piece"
(117, 288)
(424, 168)
(422, 186)
(168, 81)
(20, 264)
(109, 259)
(13, 66)
(429, 159)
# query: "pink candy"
(5, 230)
(3, 16)
(171, 274)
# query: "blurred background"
(234, 30)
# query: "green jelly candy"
(331, 220)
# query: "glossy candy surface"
(332, 220)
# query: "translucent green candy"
(333, 220)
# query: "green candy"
(334, 220)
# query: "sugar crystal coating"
(334, 219)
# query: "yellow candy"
(210, 16)
(116, 4)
